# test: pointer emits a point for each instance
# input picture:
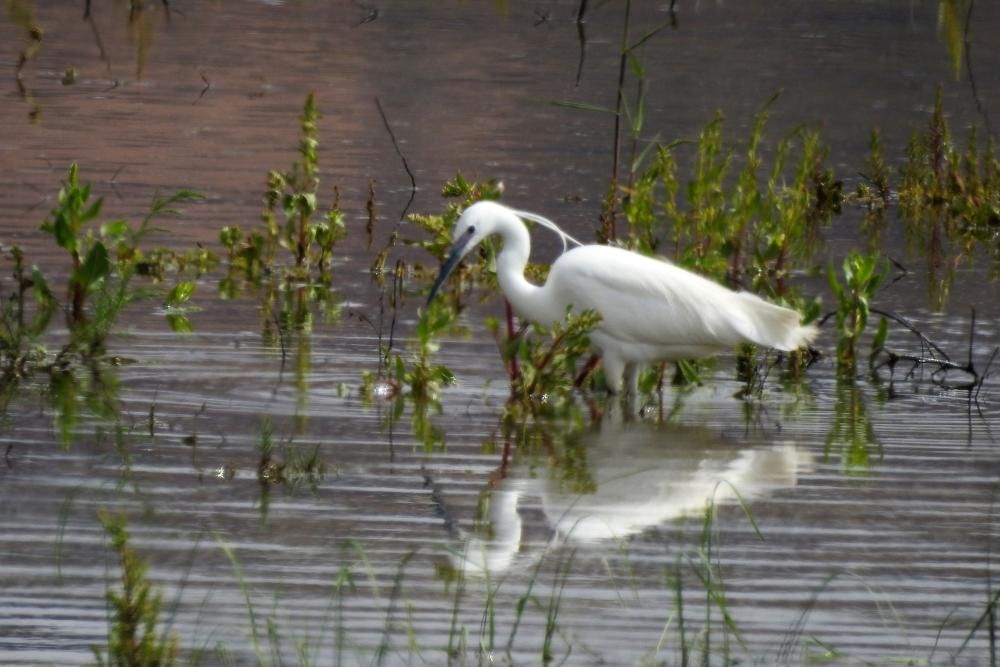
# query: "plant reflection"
(852, 436)
(79, 390)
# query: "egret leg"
(631, 379)
(631, 403)
(614, 368)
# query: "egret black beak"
(455, 256)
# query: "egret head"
(475, 224)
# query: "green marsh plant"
(24, 318)
(862, 276)
(436, 229)
(949, 200)
(134, 639)
(103, 261)
(753, 232)
(414, 378)
(542, 363)
(296, 292)
(106, 261)
(292, 218)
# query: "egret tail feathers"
(777, 326)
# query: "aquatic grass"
(887, 614)
(307, 649)
(986, 621)
(710, 573)
(937, 175)
(245, 591)
(705, 563)
(993, 598)
(385, 644)
(708, 644)
(134, 613)
(488, 626)
(270, 640)
(294, 193)
(559, 579)
(458, 634)
(754, 229)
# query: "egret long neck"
(523, 296)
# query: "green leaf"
(230, 236)
(878, 343)
(306, 201)
(93, 211)
(46, 303)
(835, 285)
(179, 323)
(97, 265)
(180, 294)
(63, 231)
(115, 229)
(41, 286)
(649, 35)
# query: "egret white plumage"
(651, 310)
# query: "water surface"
(872, 506)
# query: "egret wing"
(653, 302)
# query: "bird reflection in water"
(626, 478)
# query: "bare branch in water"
(406, 166)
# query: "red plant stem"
(513, 368)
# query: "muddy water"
(872, 506)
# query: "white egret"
(651, 310)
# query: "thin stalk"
(608, 231)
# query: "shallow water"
(877, 547)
